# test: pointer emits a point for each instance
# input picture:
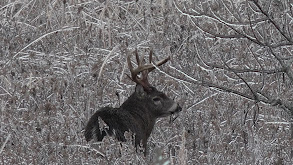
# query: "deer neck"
(140, 112)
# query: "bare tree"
(245, 48)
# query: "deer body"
(137, 114)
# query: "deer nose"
(178, 108)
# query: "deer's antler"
(143, 69)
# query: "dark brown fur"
(137, 114)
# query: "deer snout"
(177, 110)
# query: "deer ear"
(139, 90)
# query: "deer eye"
(157, 100)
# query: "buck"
(138, 113)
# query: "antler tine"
(143, 69)
(151, 56)
(160, 63)
(137, 58)
(129, 64)
(135, 72)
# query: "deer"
(138, 114)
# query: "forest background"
(231, 70)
